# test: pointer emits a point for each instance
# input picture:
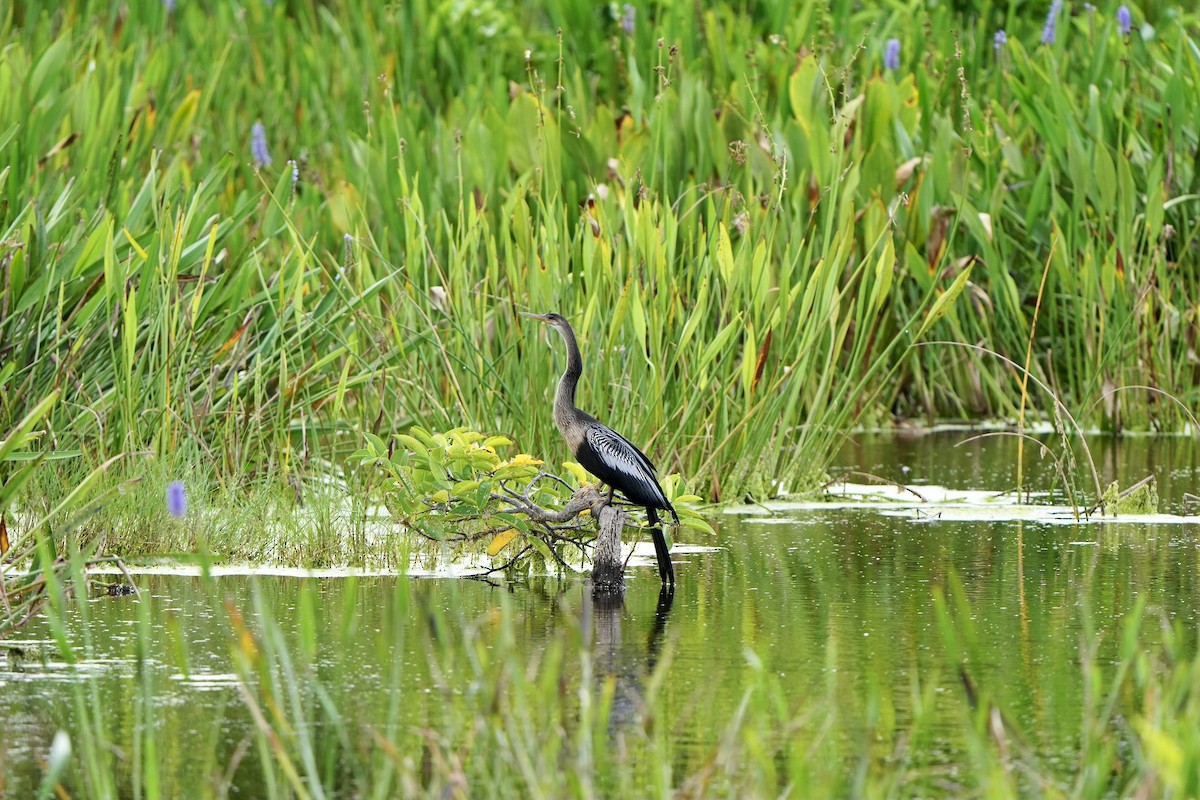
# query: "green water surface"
(836, 604)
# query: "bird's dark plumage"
(608, 455)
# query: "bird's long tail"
(665, 570)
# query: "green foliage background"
(748, 220)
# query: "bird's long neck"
(564, 400)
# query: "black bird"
(608, 455)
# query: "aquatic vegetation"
(258, 146)
(751, 229)
(1049, 30)
(176, 499)
(1141, 498)
(990, 665)
(456, 490)
(30, 559)
(1124, 20)
(891, 55)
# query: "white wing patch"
(622, 457)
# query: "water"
(833, 602)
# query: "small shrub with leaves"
(456, 488)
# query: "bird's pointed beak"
(538, 317)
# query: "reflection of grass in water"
(506, 719)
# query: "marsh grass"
(559, 723)
(32, 541)
(745, 220)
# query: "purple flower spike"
(628, 18)
(891, 55)
(1049, 30)
(999, 40)
(176, 499)
(1124, 20)
(258, 145)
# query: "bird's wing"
(622, 456)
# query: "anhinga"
(608, 455)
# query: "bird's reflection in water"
(628, 664)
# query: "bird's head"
(553, 320)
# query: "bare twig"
(842, 479)
(1058, 464)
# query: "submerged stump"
(608, 570)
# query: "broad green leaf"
(411, 443)
(884, 269)
(944, 302)
(724, 253)
(464, 487)
(543, 548)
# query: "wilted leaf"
(501, 541)
(580, 474)
(521, 460)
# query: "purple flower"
(258, 145)
(169, 5)
(176, 499)
(999, 40)
(891, 55)
(1048, 31)
(1124, 20)
(628, 18)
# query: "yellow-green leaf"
(883, 272)
(943, 303)
(724, 253)
(542, 548)
(581, 474)
(501, 541)
(412, 444)
(521, 460)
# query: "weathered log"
(608, 570)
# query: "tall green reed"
(747, 220)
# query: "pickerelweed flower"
(891, 54)
(999, 40)
(1048, 32)
(169, 5)
(628, 18)
(1124, 20)
(258, 145)
(176, 499)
